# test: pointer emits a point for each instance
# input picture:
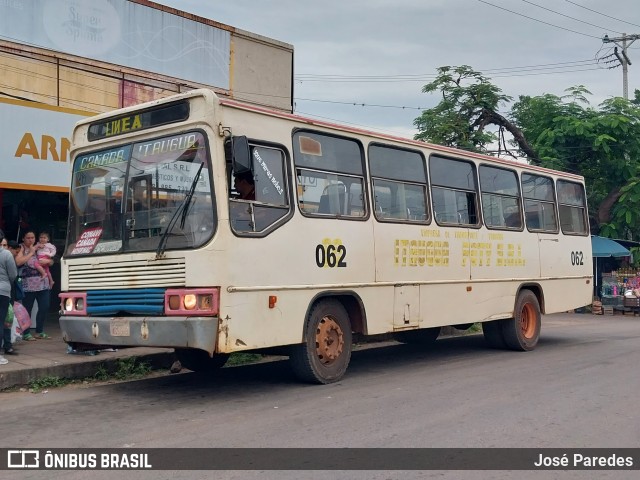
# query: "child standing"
(46, 250)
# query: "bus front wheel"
(324, 356)
(200, 361)
(523, 330)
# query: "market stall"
(612, 277)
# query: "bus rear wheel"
(325, 354)
(424, 336)
(522, 332)
(200, 361)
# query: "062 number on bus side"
(577, 258)
(331, 254)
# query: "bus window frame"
(252, 203)
(427, 196)
(555, 204)
(583, 207)
(364, 177)
(519, 199)
(475, 192)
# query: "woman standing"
(36, 287)
(8, 273)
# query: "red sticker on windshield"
(87, 241)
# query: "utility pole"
(624, 42)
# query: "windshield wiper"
(184, 209)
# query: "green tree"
(469, 104)
(600, 143)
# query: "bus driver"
(245, 186)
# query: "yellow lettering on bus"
(123, 125)
(420, 253)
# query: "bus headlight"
(192, 301)
(189, 301)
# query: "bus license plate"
(119, 327)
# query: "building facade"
(63, 60)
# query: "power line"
(358, 104)
(537, 20)
(603, 14)
(329, 78)
(488, 70)
(567, 16)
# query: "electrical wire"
(603, 14)
(568, 16)
(540, 21)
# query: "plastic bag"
(23, 317)
(15, 334)
(8, 320)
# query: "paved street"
(578, 389)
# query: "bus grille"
(145, 301)
(168, 272)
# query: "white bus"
(347, 234)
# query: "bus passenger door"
(551, 248)
(406, 306)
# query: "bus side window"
(329, 174)
(500, 196)
(333, 199)
(454, 190)
(399, 182)
(268, 201)
(539, 203)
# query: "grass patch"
(39, 384)
(475, 328)
(242, 359)
(125, 369)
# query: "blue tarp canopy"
(605, 247)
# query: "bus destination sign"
(140, 120)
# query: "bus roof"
(211, 96)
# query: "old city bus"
(345, 233)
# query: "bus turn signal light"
(192, 301)
(272, 301)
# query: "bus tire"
(492, 332)
(424, 336)
(523, 330)
(200, 361)
(324, 356)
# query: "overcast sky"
(384, 51)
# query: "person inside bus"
(245, 186)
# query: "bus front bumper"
(169, 332)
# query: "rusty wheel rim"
(528, 321)
(329, 340)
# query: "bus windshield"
(135, 196)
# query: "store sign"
(36, 140)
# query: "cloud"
(383, 39)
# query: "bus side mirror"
(241, 155)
